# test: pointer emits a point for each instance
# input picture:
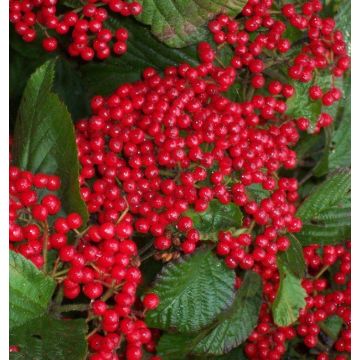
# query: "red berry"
(151, 301)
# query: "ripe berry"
(50, 44)
(151, 301)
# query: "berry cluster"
(30, 216)
(325, 53)
(268, 341)
(322, 302)
(90, 35)
(96, 261)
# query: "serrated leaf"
(235, 325)
(179, 23)
(290, 297)
(192, 292)
(326, 213)
(293, 257)
(217, 217)
(340, 155)
(44, 139)
(325, 196)
(47, 338)
(30, 290)
(300, 104)
(322, 167)
(143, 50)
(329, 233)
(231, 328)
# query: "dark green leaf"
(174, 346)
(322, 167)
(30, 290)
(290, 297)
(178, 347)
(326, 212)
(24, 59)
(333, 231)
(144, 50)
(236, 354)
(44, 139)
(68, 84)
(217, 217)
(325, 196)
(46, 338)
(341, 156)
(235, 92)
(332, 326)
(341, 142)
(307, 145)
(73, 3)
(293, 258)
(230, 329)
(179, 23)
(235, 325)
(149, 269)
(192, 292)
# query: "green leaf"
(257, 192)
(217, 217)
(340, 152)
(44, 139)
(174, 346)
(236, 354)
(192, 292)
(293, 257)
(332, 326)
(46, 338)
(331, 232)
(178, 23)
(235, 92)
(300, 105)
(21, 67)
(30, 290)
(68, 84)
(235, 325)
(230, 329)
(290, 297)
(307, 144)
(340, 156)
(325, 196)
(326, 211)
(144, 50)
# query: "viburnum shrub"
(200, 205)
